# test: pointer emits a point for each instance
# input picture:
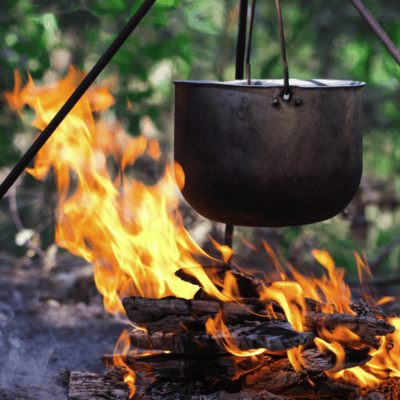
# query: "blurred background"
(196, 39)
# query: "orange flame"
(122, 347)
(133, 234)
(220, 331)
(130, 232)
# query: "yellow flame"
(336, 349)
(122, 347)
(133, 234)
(220, 331)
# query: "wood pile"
(74, 385)
(186, 361)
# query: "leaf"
(136, 97)
(109, 6)
(168, 4)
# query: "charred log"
(172, 366)
(367, 328)
(143, 310)
(319, 389)
(140, 309)
(247, 284)
(277, 374)
(161, 390)
(274, 335)
(76, 385)
(85, 385)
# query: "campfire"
(199, 326)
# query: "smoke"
(24, 358)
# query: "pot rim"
(304, 84)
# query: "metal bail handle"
(286, 93)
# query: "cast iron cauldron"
(251, 158)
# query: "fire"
(130, 232)
(133, 234)
(220, 331)
(122, 347)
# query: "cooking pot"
(252, 156)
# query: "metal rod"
(283, 47)
(229, 235)
(378, 30)
(253, 7)
(239, 74)
(241, 41)
(78, 93)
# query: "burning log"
(250, 288)
(193, 313)
(168, 366)
(140, 309)
(176, 390)
(247, 284)
(279, 373)
(319, 389)
(366, 327)
(273, 335)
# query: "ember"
(209, 328)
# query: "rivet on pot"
(286, 97)
(298, 103)
(275, 102)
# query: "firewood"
(315, 360)
(373, 395)
(179, 306)
(274, 335)
(143, 310)
(365, 327)
(171, 366)
(249, 394)
(247, 284)
(363, 309)
(75, 385)
(389, 388)
(318, 389)
(160, 390)
(275, 374)
(176, 323)
(85, 385)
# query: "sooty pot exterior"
(252, 159)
